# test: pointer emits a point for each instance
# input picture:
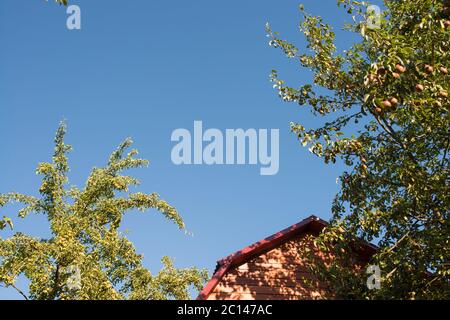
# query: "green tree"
(64, 2)
(87, 257)
(385, 109)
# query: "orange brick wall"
(278, 274)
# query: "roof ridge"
(258, 247)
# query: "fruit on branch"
(393, 101)
(381, 71)
(443, 93)
(419, 87)
(378, 110)
(443, 70)
(400, 68)
(447, 23)
(386, 104)
(395, 75)
(429, 69)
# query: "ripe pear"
(393, 101)
(400, 68)
(443, 70)
(386, 104)
(419, 87)
(429, 69)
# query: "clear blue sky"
(142, 69)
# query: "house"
(274, 268)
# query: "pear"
(386, 104)
(419, 87)
(393, 101)
(400, 68)
(381, 71)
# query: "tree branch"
(55, 284)
(17, 289)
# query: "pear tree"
(87, 255)
(383, 106)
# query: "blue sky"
(143, 69)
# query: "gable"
(275, 267)
(280, 273)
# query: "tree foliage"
(384, 106)
(85, 237)
(63, 2)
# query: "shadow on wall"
(280, 274)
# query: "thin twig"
(398, 242)
(17, 289)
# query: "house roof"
(311, 224)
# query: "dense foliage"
(87, 256)
(385, 109)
